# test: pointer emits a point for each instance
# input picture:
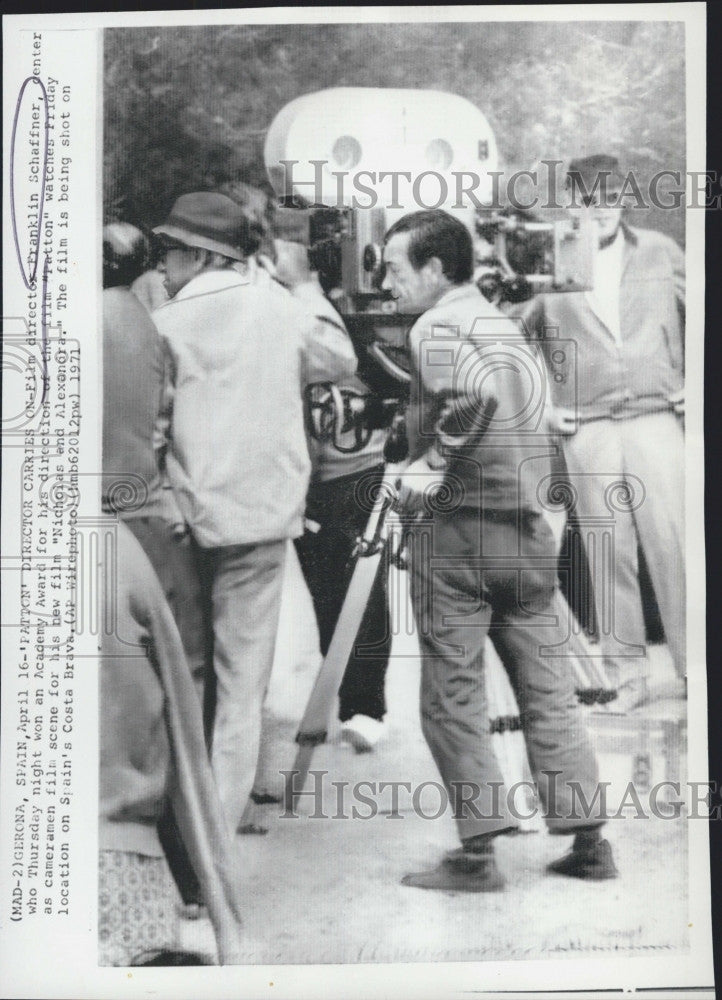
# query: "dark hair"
(435, 233)
(126, 253)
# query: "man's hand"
(416, 486)
(291, 266)
(563, 420)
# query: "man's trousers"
(243, 585)
(627, 477)
(337, 507)
(495, 574)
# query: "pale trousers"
(627, 478)
(244, 584)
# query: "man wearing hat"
(620, 419)
(240, 353)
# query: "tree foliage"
(188, 108)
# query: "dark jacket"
(478, 397)
(133, 373)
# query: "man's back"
(479, 391)
(240, 353)
(238, 459)
(132, 388)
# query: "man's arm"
(162, 433)
(676, 256)
(531, 317)
(677, 265)
(677, 261)
(460, 381)
(454, 396)
(329, 355)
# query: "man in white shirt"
(620, 423)
(604, 296)
(239, 355)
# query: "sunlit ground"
(327, 890)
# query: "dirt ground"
(327, 890)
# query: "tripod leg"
(296, 778)
(314, 724)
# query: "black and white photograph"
(353, 446)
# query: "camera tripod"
(370, 549)
(592, 685)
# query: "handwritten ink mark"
(44, 331)
(34, 255)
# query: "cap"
(587, 169)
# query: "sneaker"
(594, 863)
(362, 732)
(460, 871)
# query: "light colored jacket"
(239, 354)
(597, 374)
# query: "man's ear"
(434, 269)
(200, 257)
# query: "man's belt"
(621, 411)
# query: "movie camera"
(520, 256)
(346, 163)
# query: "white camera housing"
(334, 146)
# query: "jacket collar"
(630, 235)
(455, 293)
(210, 281)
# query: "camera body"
(520, 255)
(346, 163)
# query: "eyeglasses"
(610, 199)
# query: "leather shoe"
(593, 863)
(460, 871)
